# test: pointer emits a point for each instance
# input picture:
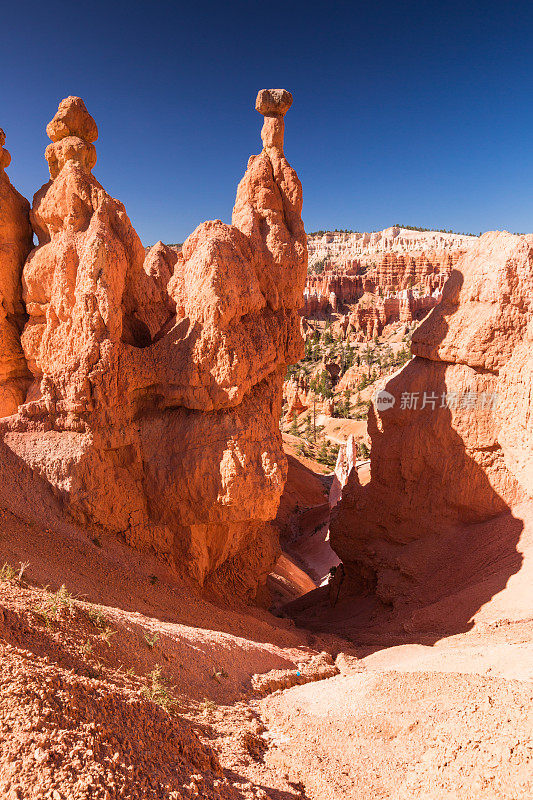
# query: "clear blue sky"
(412, 112)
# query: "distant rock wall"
(345, 247)
(385, 276)
(384, 287)
(155, 379)
(370, 315)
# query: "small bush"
(55, 603)
(106, 635)
(207, 706)
(87, 648)
(7, 573)
(151, 641)
(218, 674)
(157, 690)
(97, 617)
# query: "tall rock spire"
(72, 131)
(268, 207)
(77, 282)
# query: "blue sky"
(413, 112)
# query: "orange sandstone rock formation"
(296, 396)
(456, 446)
(157, 381)
(15, 244)
(392, 276)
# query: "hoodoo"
(156, 393)
(266, 496)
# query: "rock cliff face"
(370, 315)
(374, 272)
(156, 392)
(338, 245)
(456, 445)
(15, 244)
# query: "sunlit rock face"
(15, 244)
(395, 275)
(456, 447)
(156, 379)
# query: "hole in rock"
(135, 332)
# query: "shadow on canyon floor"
(428, 544)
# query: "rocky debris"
(318, 668)
(15, 244)
(455, 448)
(157, 377)
(81, 678)
(65, 735)
(253, 744)
(400, 736)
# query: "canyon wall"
(342, 247)
(387, 273)
(379, 267)
(154, 380)
(455, 446)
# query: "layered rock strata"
(390, 281)
(339, 245)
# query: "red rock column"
(15, 244)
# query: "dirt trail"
(439, 704)
(406, 735)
